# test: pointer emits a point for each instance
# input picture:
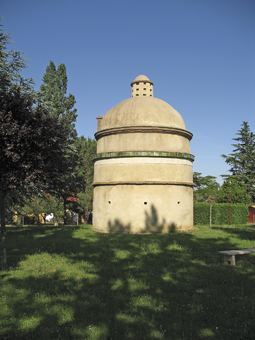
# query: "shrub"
(240, 214)
(220, 213)
(201, 213)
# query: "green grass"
(71, 283)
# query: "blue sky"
(200, 54)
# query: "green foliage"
(11, 65)
(201, 213)
(33, 143)
(86, 149)
(70, 183)
(15, 200)
(55, 206)
(53, 91)
(61, 106)
(240, 214)
(242, 160)
(220, 213)
(204, 187)
(237, 189)
(35, 205)
(76, 183)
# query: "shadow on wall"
(151, 225)
(154, 226)
(118, 227)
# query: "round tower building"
(143, 175)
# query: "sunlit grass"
(71, 283)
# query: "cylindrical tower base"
(144, 208)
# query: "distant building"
(251, 218)
(143, 178)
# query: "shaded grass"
(71, 283)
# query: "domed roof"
(142, 111)
(141, 78)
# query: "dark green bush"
(220, 213)
(201, 213)
(239, 214)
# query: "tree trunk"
(65, 219)
(3, 260)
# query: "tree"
(77, 183)
(11, 64)
(33, 143)
(242, 160)
(53, 92)
(14, 202)
(68, 185)
(36, 206)
(55, 206)
(204, 187)
(86, 149)
(238, 191)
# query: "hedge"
(220, 213)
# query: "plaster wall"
(143, 142)
(142, 89)
(139, 169)
(142, 208)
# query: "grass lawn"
(71, 283)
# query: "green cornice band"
(143, 129)
(106, 155)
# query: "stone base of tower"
(142, 208)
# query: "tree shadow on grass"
(245, 232)
(76, 284)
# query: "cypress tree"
(242, 160)
(53, 91)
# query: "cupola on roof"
(142, 87)
(141, 78)
(142, 109)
